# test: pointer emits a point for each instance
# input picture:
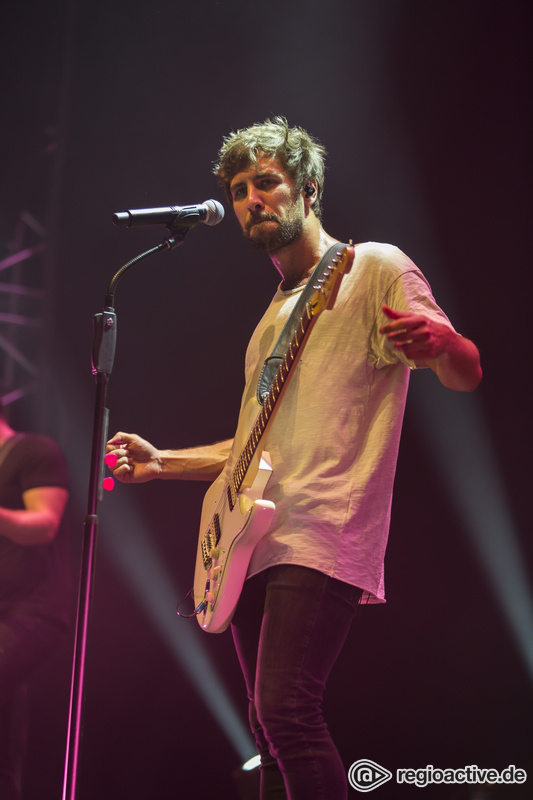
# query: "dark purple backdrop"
(425, 111)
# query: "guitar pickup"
(216, 525)
(232, 496)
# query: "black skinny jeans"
(289, 628)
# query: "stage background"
(425, 111)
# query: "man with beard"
(331, 483)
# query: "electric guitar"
(234, 514)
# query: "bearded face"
(270, 232)
(269, 208)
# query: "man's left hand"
(419, 338)
(454, 359)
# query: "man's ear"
(309, 192)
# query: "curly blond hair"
(300, 154)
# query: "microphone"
(211, 212)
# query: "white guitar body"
(234, 515)
(229, 538)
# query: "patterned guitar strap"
(271, 365)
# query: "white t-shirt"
(334, 440)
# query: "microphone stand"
(103, 354)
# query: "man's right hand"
(138, 461)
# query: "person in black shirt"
(33, 582)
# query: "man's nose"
(255, 201)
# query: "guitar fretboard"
(269, 403)
(323, 297)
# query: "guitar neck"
(323, 298)
(271, 399)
